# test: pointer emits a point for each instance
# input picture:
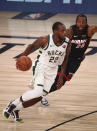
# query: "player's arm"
(92, 30)
(69, 33)
(64, 64)
(41, 42)
(63, 67)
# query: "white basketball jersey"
(52, 55)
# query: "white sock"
(19, 106)
(16, 102)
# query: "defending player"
(80, 35)
(53, 49)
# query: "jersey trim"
(40, 85)
(34, 67)
(45, 91)
(66, 41)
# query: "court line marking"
(18, 37)
(75, 118)
(26, 37)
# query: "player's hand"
(17, 67)
(17, 64)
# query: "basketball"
(23, 63)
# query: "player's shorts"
(43, 75)
(72, 66)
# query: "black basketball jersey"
(80, 42)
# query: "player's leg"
(53, 88)
(54, 85)
(15, 112)
(43, 100)
(29, 98)
(49, 80)
(72, 67)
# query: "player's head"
(59, 30)
(81, 21)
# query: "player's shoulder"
(44, 39)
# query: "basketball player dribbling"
(80, 35)
(54, 51)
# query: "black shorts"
(72, 66)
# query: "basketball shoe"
(7, 111)
(44, 101)
(15, 114)
(10, 110)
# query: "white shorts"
(43, 75)
(42, 79)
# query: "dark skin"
(58, 36)
(63, 68)
(81, 23)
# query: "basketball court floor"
(74, 107)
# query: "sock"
(19, 106)
(16, 102)
(43, 98)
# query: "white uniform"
(45, 67)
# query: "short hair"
(56, 25)
(81, 15)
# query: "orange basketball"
(23, 63)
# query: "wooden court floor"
(74, 107)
